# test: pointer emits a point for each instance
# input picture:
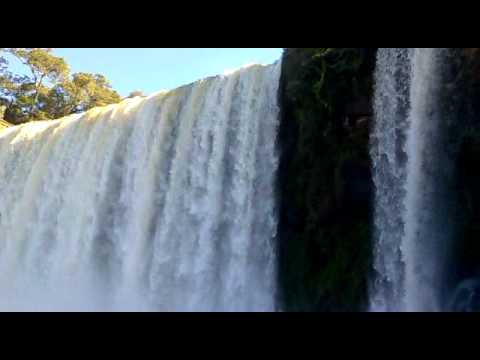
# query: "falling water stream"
(166, 202)
(412, 174)
(159, 203)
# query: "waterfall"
(412, 166)
(163, 203)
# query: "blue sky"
(153, 69)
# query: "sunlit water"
(160, 203)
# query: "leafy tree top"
(48, 90)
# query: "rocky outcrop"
(466, 251)
(325, 184)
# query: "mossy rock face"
(464, 114)
(466, 250)
(325, 183)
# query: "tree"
(80, 93)
(48, 91)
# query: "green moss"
(325, 232)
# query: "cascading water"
(412, 173)
(159, 203)
(392, 80)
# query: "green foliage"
(326, 232)
(42, 64)
(49, 91)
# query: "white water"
(411, 170)
(392, 82)
(159, 203)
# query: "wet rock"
(325, 185)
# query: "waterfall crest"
(159, 203)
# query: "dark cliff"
(325, 183)
(466, 250)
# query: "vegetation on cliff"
(325, 182)
(467, 88)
